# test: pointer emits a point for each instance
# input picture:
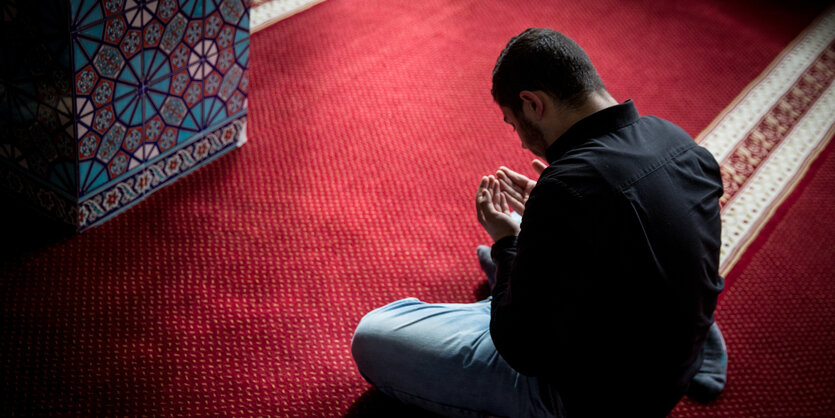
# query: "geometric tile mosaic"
(95, 93)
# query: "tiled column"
(137, 94)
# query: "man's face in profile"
(531, 136)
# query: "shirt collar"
(592, 126)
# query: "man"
(602, 299)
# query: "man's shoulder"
(569, 180)
(601, 166)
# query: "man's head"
(544, 60)
(544, 82)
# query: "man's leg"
(440, 357)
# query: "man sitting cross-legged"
(602, 298)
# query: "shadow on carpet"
(25, 230)
(375, 404)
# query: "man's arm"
(536, 275)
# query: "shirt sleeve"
(536, 274)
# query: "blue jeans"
(440, 357)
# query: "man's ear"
(531, 102)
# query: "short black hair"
(543, 59)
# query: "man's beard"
(532, 136)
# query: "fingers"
(507, 186)
(493, 209)
(489, 198)
(517, 179)
(538, 166)
(484, 198)
(481, 194)
(482, 185)
(505, 191)
(480, 197)
(496, 193)
(517, 205)
(504, 199)
(503, 202)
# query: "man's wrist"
(508, 232)
(504, 236)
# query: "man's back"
(610, 289)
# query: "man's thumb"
(538, 166)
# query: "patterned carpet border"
(769, 135)
(266, 12)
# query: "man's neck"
(595, 102)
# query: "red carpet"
(236, 290)
(778, 310)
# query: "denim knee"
(360, 345)
(372, 341)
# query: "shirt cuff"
(505, 243)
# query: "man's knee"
(372, 337)
(362, 343)
(363, 340)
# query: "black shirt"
(609, 289)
